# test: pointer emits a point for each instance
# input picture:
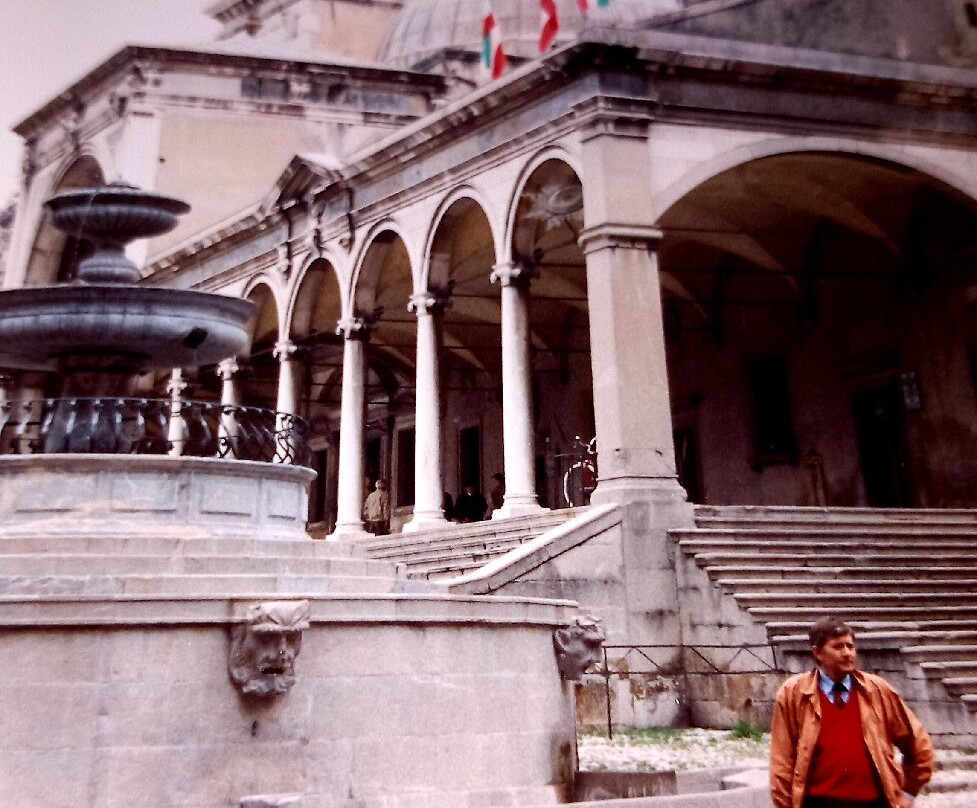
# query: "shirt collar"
(826, 683)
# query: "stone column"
(284, 352)
(627, 344)
(517, 399)
(287, 403)
(632, 411)
(227, 430)
(175, 387)
(428, 489)
(352, 420)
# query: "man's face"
(837, 657)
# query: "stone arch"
(830, 319)
(551, 154)
(546, 218)
(460, 256)
(54, 255)
(383, 264)
(259, 372)
(701, 173)
(449, 203)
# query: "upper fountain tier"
(102, 329)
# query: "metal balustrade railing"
(113, 425)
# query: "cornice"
(215, 62)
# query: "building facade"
(735, 243)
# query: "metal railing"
(113, 425)
(682, 661)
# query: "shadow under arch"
(807, 295)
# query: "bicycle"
(580, 479)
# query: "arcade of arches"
(816, 314)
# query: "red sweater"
(841, 767)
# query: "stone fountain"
(173, 638)
(103, 329)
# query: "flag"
(493, 54)
(550, 24)
(584, 5)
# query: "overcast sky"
(47, 45)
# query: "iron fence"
(113, 425)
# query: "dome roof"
(428, 27)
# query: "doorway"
(878, 414)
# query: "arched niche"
(55, 255)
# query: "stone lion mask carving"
(578, 646)
(264, 647)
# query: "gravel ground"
(684, 750)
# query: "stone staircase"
(906, 580)
(456, 549)
(174, 567)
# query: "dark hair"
(828, 628)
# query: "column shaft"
(517, 398)
(428, 489)
(349, 504)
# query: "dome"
(428, 27)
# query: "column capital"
(358, 328)
(513, 273)
(226, 368)
(431, 302)
(284, 350)
(612, 235)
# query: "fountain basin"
(102, 213)
(145, 328)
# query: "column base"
(518, 505)
(425, 520)
(349, 532)
(623, 490)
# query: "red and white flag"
(493, 53)
(550, 24)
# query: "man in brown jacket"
(834, 730)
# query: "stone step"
(424, 554)
(812, 569)
(814, 542)
(901, 633)
(454, 534)
(919, 599)
(960, 685)
(793, 515)
(953, 781)
(957, 761)
(15, 588)
(840, 586)
(46, 564)
(775, 560)
(945, 668)
(905, 615)
(169, 545)
(939, 652)
(435, 571)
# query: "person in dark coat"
(470, 506)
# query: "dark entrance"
(470, 456)
(878, 416)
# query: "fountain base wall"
(151, 495)
(399, 702)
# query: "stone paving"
(953, 786)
